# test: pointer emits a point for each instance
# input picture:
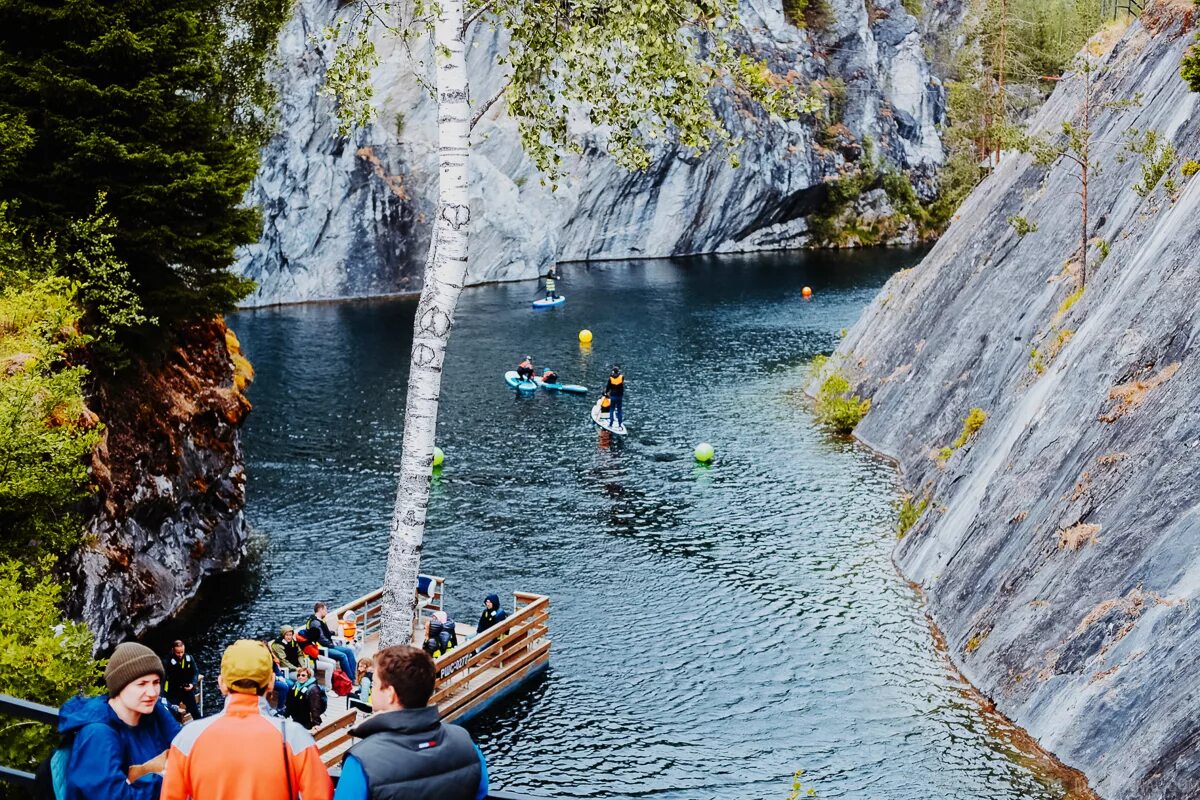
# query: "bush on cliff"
(43, 658)
(835, 405)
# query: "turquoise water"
(715, 628)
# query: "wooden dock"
(472, 676)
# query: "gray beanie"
(129, 662)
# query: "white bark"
(444, 275)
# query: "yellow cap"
(250, 661)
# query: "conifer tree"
(159, 106)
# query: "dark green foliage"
(1189, 68)
(42, 658)
(158, 105)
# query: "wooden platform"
(471, 677)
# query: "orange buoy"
(806, 292)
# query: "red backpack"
(342, 685)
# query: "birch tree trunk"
(444, 275)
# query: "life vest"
(549, 284)
(617, 381)
(525, 365)
(605, 402)
(349, 630)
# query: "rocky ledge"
(1060, 545)
(171, 486)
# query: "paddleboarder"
(615, 392)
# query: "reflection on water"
(715, 628)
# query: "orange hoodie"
(240, 755)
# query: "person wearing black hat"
(119, 742)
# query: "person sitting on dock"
(349, 630)
(305, 700)
(406, 750)
(492, 613)
(287, 651)
(182, 679)
(525, 369)
(615, 392)
(316, 662)
(318, 631)
(243, 752)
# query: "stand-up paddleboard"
(514, 380)
(548, 302)
(601, 418)
(572, 388)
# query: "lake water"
(715, 628)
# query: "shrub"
(46, 433)
(908, 512)
(944, 454)
(1022, 225)
(912, 7)
(1037, 361)
(1069, 301)
(837, 407)
(1157, 158)
(1189, 68)
(43, 658)
(971, 425)
(1190, 168)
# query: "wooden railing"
(369, 607)
(501, 656)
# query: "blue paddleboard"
(572, 388)
(513, 380)
(548, 302)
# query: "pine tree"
(158, 106)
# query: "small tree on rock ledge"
(639, 71)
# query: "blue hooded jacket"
(489, 618)
(103, 748)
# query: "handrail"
(24, 709)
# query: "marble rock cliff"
(348, 217)
(1060, 549)
(171, 486)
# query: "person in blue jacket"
(119, 741)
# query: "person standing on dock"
(615, 392)
(406, 750)
(182, 679)
(318, 631)
(492, 613)
(243, 753)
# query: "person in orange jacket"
(243, 753)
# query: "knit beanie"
(129, 662)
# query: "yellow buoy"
(585, 336)
(704, 452)
(806, 292)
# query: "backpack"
(342, 685)
(50, 779)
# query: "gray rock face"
(1061, 548)
(346, 218)
(172, 488)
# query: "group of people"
(145, 739)
(127, 745)
(526, 371)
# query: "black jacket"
(411, 754)
(305, 704)
(319, 632)
(490, 617)
(179, 672)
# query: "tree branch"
(483, 108)
(476, 14)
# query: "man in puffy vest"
(406, 750)
(182, 679)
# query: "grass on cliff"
(836, 406)
(908, 511)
